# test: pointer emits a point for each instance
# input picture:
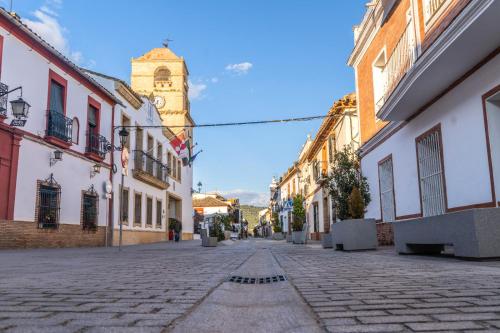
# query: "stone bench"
(473, 233)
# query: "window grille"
(125, 206)
(49, 193)
(90, 200)
(149, 211)
(386, 178)
(316, 217)
(430, 174)
(332, 149)
(138, 209)
(158, 214)
(431, 8)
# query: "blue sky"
(248, 60)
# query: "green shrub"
(299, 213)
(356, 204)
(345, 177)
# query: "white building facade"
(55, 167)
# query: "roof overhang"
(471, 38)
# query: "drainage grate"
(256, 280)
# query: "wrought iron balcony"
(59, 126)
(3, 99)
(146, 164)
(96, 144)
(431, 7)
(400, 61)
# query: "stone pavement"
(165, 287)
(379, 291)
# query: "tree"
(356, 204)
(299, 213)
(277, 227)
(345, 177)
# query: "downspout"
(110, 226)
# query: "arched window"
(162, 74)
(75, 131)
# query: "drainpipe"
(110, 226)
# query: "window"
(158, 213)
(149, 211)
(49, 199)
(430, 173)
(174, 167)
(316, 216)
(125, 206)
(169, 163)
(379, 80)
(92, 129)
(57, 93)
(179, 170)
(90, 200)
(138, 208)
(332, 148)
(162, 76)
(386, 184)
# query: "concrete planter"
(474, 233)
(352, 235)
(327, 241)
(298, 237)
(278, 236)
(288, 238)
(209, 242)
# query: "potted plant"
(277, 227)
(299, 216)
(350, 192)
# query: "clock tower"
(163, 76)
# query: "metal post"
(121, 213)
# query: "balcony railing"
(96, 144)
(3, 100)
(431, 7)
(400, 61)
(148, 164)
(59, 126)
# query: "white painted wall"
(464, 147)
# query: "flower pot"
(327, 241)
(278, 236)
(298, 237)
(352, 235)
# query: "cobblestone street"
(165, 287)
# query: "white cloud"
(46, 24)
(239, 69)
(196, 90)
(248, 197)
(214, 80)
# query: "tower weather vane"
(166, 41)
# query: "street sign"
(18, 122)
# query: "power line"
(258, 122)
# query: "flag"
(192, 158)
(179, 143)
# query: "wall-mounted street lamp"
(57, 157)
(20, 108)
(123, 133)
(96, 169)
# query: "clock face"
(159, 102)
